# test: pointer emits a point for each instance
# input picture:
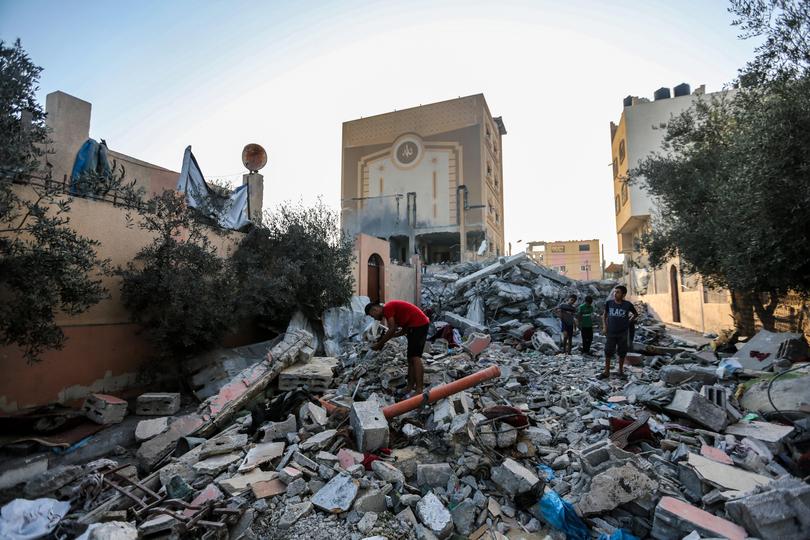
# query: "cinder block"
(603, 455)
(716, 394)
(675, 519)
(369, 425)
(699, 409)
(316, 374)
(104, 409)
(157, 404)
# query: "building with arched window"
(418, 176)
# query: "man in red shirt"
(404, 318)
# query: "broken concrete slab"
(319, 440)
(104, 409)
(763, 431)
(369, 425)
(276, 431)
(434, 515)
(268, 488)
(160, 524)
(464, 515)
(387, 472)
(778, 510)
(372, 500)
(433, 474)
(293, 513)
(614, 487)
(503, 263)
(51, 480)
(241, 482)
(337, 495)
(316, 374)
(762, 350)
(223, 445)
(260, 454)
(725, 476)
(602, 456)
(513, 478)
(788, 393)
(218, 463)
(676, 375)
(158, 404)
(675, 519)
(146, 429)
(463, 323)
(697, 408)
(155, 449)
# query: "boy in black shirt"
(616, 321)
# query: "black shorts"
(616, 344)
(417, 337)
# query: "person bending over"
(404, 318)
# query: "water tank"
(628, 101)
(682, 89)
(661, 93)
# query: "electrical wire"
(770, 400)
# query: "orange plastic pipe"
(441, 392)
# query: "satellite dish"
(254, 157)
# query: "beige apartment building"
(576, 259)
(417, 177)
(673, 296)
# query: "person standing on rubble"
(585, 322)
(567, 314)
(404, 318)
(616, 319)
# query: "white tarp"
(22, 519)
(230, 212)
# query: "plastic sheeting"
(90, 159)
(22, 519)
(476, 310)
(561, 515)
(342, 323)
(230, 211)
(640, 278)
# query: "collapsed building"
(303, 435)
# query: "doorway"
(375, 278)
(673, 290)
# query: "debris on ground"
(300, 437)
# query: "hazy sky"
(217, 75)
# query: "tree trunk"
(742, 313)
(765, 312)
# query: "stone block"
(337, 495)
(241, 482)
(260, 454)
(104, 409)
(539, 436)
(464, 515)
(513, 478)
(463, 323)
(697, 408)
(369, 425)
(388, 473)
(675, 519)
(316, 374)
(433, 515)
(433, 474)
(146, 429)
(158, 404)
(156, 448)
(319, 440)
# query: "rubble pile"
(511, 298)
(289, 444)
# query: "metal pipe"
(441, 392)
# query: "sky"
(220, 74)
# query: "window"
(558, 249)
(584, 247)
(618, 205)
(583, 268)
(561, 269)
(615, 168)
(622, 152)
(497, 217)
(489, 168)
(624, 193)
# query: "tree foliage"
(178, 288)
(297, 259)
(732, 179)
(45, 266)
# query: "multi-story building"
(673, 296)
(418, 177)
(576, 259)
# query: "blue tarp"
(229, 211)
(91, 158)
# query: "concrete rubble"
(289, 438)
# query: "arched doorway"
(375, 278)
(673, 290)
